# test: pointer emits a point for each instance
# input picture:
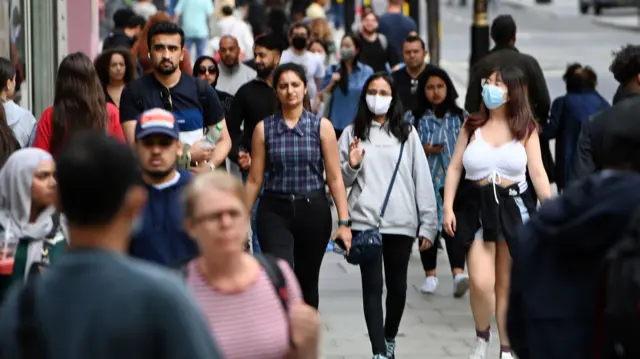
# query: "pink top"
(249, 324)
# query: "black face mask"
(299, 42)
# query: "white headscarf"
(16, 180)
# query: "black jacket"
(590, 147)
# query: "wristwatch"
(212, 166)
(345, 223)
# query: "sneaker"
(379, 356)
(480, 349)
(506, 356)
(391, 348)
(460, 285)
(430, 285)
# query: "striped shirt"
(249, 324)
(294, 155)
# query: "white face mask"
(379, 105)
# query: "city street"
(439, 326)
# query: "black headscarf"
(449, 103)
(196, 68)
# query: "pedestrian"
(233, 73)
(192, 101)
(95, 291)
(383, 161)
(236, 290)
(28, 219)
(78, 104)
(160, 236)
(115, 68)
(193, 16)
(396, 26)
(407, 78)
(206, 68)
(344, 82)
(376, 50)
(21, 121)
(568, 114)
(625, 68)
(438, 122)
(486, 207)
(505, 54)
(127, 27)
(558, 296)
(294, 147)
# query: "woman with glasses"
(378, 142)
(78, 104)
(294, 147)
(487, 205)
(206, 68)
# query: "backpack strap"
(383, 41)
(201, 86)
(56, 226)
(30, 339)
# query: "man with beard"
(253, 102)
(376, 51)
(192, 101)
(232, 74)
(159, 235)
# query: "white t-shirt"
(313, 65)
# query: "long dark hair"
(103, 63)
(521, 120)
(8, 141)
(79, 101)
(7, 72)
(449, 102)
(397, 125)
(344, 75)
(300, 72)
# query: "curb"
(613, 25)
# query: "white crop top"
(482, 160)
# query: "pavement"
(438, 326)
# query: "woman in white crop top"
(486, 209)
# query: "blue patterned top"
(294, 155)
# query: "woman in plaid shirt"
(294, 146)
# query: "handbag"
(367, 244)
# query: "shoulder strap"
(272, 268)
(201, 86)
(383, 41)
(56, 226)
(30, 339)
(393, 179)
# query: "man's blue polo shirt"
(184, 100)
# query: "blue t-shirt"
(184, 102)
(396, 27)
(194, 15)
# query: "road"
(439, 326)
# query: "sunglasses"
(211, 69)
(167, 103)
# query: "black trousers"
(455, 250)
(396, 250)
(296, 229)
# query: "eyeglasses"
(165, 95)
(211, 69)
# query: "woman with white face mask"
(495, 148)
(382, 159)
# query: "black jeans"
(396, 250)
(296, 229)
(455, 251)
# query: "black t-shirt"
(408, 89)
(253, 102)
(185, 104)
(377, 57)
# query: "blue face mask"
(492, 96)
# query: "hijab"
(16, 180)
(449, 102)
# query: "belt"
(292, 197)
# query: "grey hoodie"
(22, 123)
(412, 203)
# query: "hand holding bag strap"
(393, 179)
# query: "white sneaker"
(506, 356)
(460, 285)
(430, 285)
(480, 349)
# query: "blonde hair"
(218, 180)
